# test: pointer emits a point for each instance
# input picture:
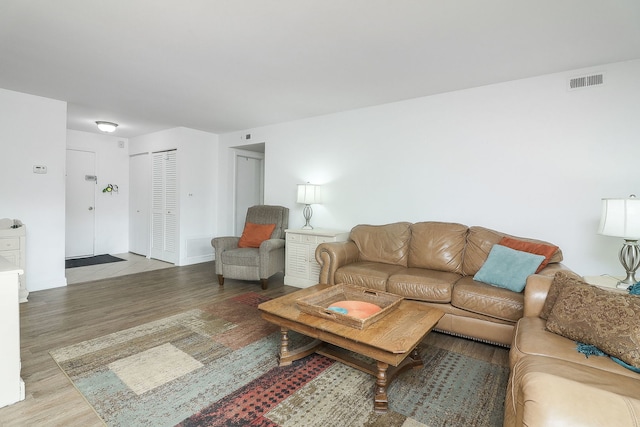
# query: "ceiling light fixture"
(107, 126)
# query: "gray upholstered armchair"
(253, 263)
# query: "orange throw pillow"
(254, 234)
(533, 248)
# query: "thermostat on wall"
(39, 169)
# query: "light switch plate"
(39, 169)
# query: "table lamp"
(308, 194)
(621, 218)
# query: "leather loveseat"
(435, 263)
(551, 383)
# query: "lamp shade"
(621, 218)
(309, 194)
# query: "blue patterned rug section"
(217, 366)
(451, 390)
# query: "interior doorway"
(249, 183)
(80, 204)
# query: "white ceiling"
(221, 66)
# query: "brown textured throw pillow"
(561, 280)
(607, 319)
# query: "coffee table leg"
(415, 357)
(284, 347)
(286, 356)
(380, 400)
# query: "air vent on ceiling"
(582, 82)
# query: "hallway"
(132, 264)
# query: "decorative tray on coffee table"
(349, 305)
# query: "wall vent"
(199, 246)
(582, 82)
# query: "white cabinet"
(301, 269)
(604, 281)
(11, 386)
(13, 249)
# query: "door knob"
(90, 208)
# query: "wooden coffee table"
(392, 340)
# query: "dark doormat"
(92, 260)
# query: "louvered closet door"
(164, 216)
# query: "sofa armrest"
(535, 293)
(272, 257)
(224, 243)
(537, 288)
(271, 245)
(332, 256)
(221, 244)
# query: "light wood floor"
(56, 318)
(132, 264)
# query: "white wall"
(197, 168)
(33, 132)
(526, 157)
(111, 209)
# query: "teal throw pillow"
(508, 268)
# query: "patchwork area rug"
(91, 260)
(217, 366)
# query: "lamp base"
(307, 212)
(624, 285)
(630, 259)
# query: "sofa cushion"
(423, 285)
(246, 257)
(604, 318)
(487, 300)
(383, 243)
(535, 248)
(437, 246)
(480, 240)
(532, 338)
(508, 268)
(371, 275)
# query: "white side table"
(301, 268)
(604, 281)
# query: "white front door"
(80, 204)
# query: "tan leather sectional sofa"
(435, 263)
(552, 384)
